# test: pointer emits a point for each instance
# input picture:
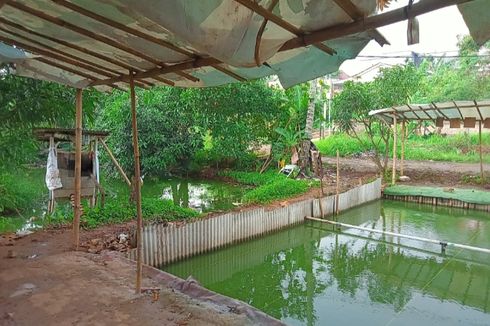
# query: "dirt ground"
(44, 282)
(422, 173)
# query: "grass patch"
(269, 186)
(453, 148)
(466, 195)
(253, 178)
(21, 190)
(115, 212)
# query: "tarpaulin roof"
(478, 110)
(193, 43)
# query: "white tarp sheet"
(222, 29)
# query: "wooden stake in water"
(393, 175)
(337, 188)
(481, 155)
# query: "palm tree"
(304, 154)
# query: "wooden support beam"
(439, 110)
(482, 176)
(459, 111)
(422, 110)
(372, 22)
(114, 160)
(137, 187)
(337, 185)
(72, 46)
(355, 14)
(122, 27)
(197, 63)
(393, 175)
(98, 37)
(258, 38)
(78, 169)
(478, 110)
(330, 33)
(51, 52)
(256, 8)
(3, 2)
(413, 111)
(402, 158)
(229, 73)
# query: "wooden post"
(402, 159)
(78, 169)
(116, 163)
(137, 187)
(337, 186)
(393, 175)
(481, 154)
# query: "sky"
(438, 33)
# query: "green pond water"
(200, 195)
(312, 275)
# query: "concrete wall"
(163, 244)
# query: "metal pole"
(443, 244)
(337, 190)
(78, 169)
(402, 159)
(330, 106)
(481, 155)
(137, 187)
(393, 175)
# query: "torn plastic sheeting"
(9, 54)
(476, 15)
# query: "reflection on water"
(203, 196)
(200, 195)
(310, 274)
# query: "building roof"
(478, 110)
(190, 43)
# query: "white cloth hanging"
(53, 180)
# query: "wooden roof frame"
(359, 24)
(438, 111)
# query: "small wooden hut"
(90, 178)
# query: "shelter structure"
(90, 186)
(125, 44)
(466, 113)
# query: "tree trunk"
(304, 153)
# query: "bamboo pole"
(116, 163)
(393, 175)
(78, 168)
(337, 190)
(137, 187)
(481, 155)
(402, 159)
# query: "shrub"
(278, 189)
(119, 211)
(253, 178)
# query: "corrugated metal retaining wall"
(435, 201)
(163, 244)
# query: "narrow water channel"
(312, 275)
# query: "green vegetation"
(114, 212)
(21, 190)
(279, 189)
(466, 195)
(270, 186)
(420, 82)
(252, 178)
(457, 148)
